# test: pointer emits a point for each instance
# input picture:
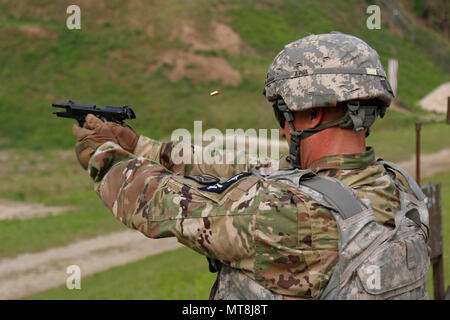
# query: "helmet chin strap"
(353, 117)
(294, 147)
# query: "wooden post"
(418, 128)
(434, 204)
(392, 72)
(438, 278)
(448, 110)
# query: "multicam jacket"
(277, 235)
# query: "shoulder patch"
(219, 187)
(203, 178)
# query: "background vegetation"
(118, 58)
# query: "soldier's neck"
(331, 141)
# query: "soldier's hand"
(125, 136)
(94, 134)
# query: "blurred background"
(163, 58)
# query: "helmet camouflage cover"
(322, 70)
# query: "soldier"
(330, 221)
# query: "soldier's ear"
(316, 116)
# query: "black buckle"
(294, 149)
(353, 106)
(279, 115)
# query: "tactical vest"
(374, 261)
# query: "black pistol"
(80, 111)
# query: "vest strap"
(336, 194)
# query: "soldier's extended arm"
(259, 226)
(146, 196)
(161, 152)
(253, 225)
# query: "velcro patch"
(221, 186)
(371, 71)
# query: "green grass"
(52, 178)
(42, 233)
(108, 62)
(267, 28)
(400, 144)
(179, 274)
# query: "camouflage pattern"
(272, 232)
(233, 284)
(161, 152)
(399, 258)
(321, 70)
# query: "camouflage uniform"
(276, 234)
(270, 237)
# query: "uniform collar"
(344, 161)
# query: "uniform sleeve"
(269, 230)
(188, 159)
(145, 196)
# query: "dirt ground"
(23, 210)
(30, 273)
(436, 100)
(198, 67)
(220, 36)
(430, 163)
(194, 64)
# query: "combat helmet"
(325, 70)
